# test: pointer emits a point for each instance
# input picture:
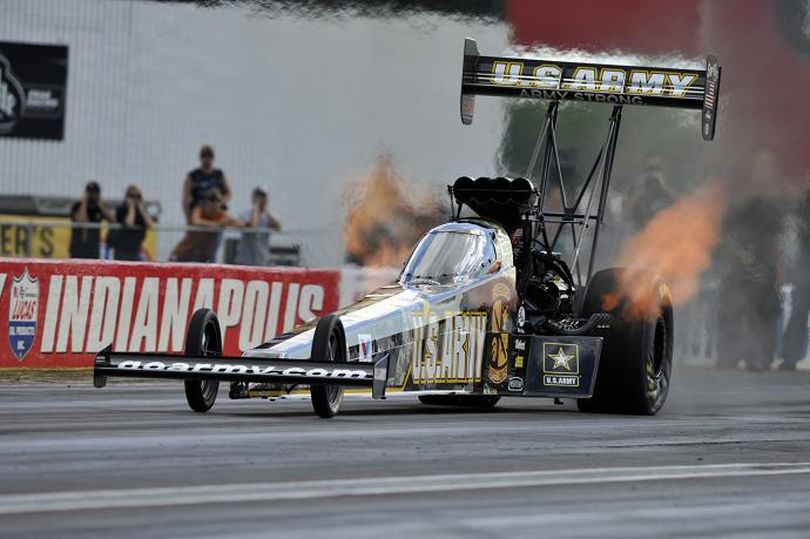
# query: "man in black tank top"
(202, 179)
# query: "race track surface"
(729, 456)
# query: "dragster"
(485, 306)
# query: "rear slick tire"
(328, 344)
(635, 367)
(203, 339)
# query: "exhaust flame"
(388, 216)
(676, 245)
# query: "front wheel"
(328, 344)
(635, 367)
(203, 339)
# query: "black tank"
(201, 182)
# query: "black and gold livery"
(485, 306)
(590, 82)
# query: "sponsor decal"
(243, 368)
(23, 307)
(560, 364)
(365, 351)
(449, 350)
(515, 384)
(554, 95)
(520, 344)
(591, 83)
(519, 361)
(521, 318)
(501, 292)
(496, 373)
(497, 368)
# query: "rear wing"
(588, 82)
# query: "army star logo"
(560, 364)
(561, 359)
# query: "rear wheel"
(635, 367)
(328, 344)
(203, 339)
(480, 402)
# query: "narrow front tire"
(203, 338)
(328, 344)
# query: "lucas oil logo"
(22, 314)
(560, 364)
(12, 97)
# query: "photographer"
(85, 242)
(135, 221)
(253, 249)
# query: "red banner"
(59, 314)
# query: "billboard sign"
(62, 312)
(33, 90)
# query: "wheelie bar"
(242, 369)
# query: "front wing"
(242, 369)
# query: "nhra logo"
(12, 97)
(22, 314)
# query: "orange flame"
(675, 245)
(388, 217)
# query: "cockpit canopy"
(452, 253)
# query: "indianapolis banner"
(60, 313)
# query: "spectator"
(253, 249)
(85, 242)
(201, 245)
(748, 302)
(794, 346)
(200, 180)
(134, 220)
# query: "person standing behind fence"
(795, 338)
(201, 245)
(85, 242)
(253, 248)
(134, 220)
(750, 252)
(201, 180)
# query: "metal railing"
(49, 237)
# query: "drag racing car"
(486, 305)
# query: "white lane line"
(298, 490)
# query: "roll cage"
(581, 209)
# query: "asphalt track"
(728, 457)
